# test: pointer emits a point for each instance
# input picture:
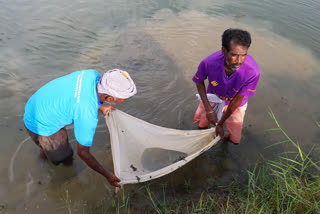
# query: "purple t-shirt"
(243, 81)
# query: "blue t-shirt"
(69, 99)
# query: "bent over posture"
(233, 76)
(74, 99)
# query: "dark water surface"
(157, 158)
(160, 43)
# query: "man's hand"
(212, 117)
(113, 180)
(220, 131)
(106, 109)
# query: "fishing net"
(142, 151)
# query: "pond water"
(160, 43)
(157, 158)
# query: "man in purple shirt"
(233, 76)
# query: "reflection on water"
(157, 158)
(161, 44)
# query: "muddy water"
(161, 44)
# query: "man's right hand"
(212, 117)
(113, 180)
(85, 155)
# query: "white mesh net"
(142, 151)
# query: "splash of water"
(13, 159)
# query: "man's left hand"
(106, 109)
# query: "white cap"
(117, 83)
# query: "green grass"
(66, 200)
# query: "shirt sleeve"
(249, 88)
(201, 74)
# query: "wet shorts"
(56, 147)
(234, 122)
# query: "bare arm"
(211, 115)
(234, 104)
(85, 155)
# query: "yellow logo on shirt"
(214, 83)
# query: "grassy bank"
(289, 184)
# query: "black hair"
(239, 36)
(106, 95)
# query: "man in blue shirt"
(74, 99)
